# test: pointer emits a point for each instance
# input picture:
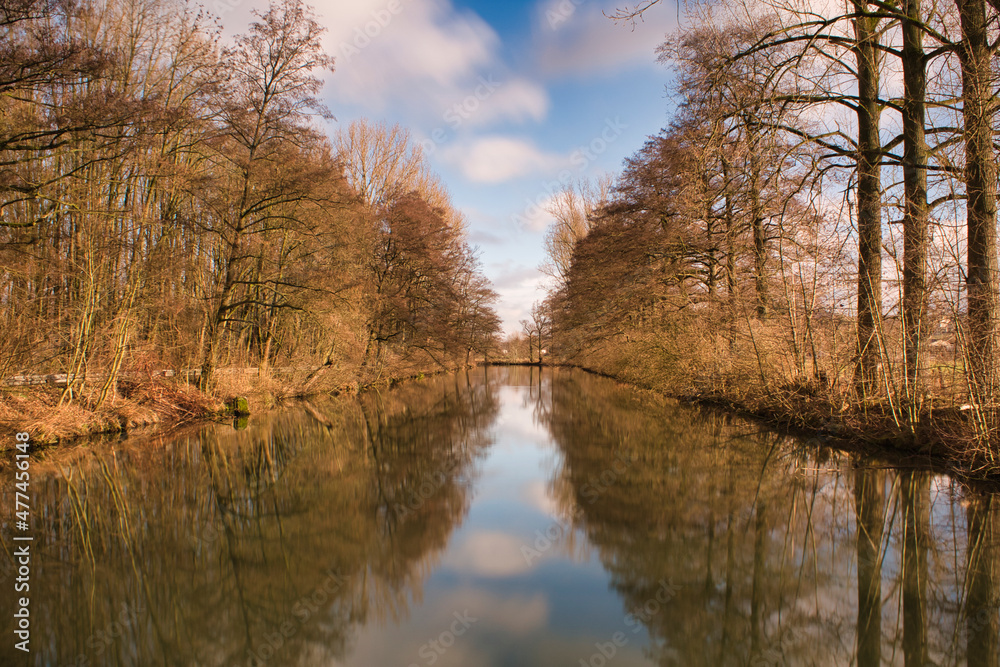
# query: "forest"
(812, 237)
(174, 200)
(186, 225)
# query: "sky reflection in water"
(503, 517)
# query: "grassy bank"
(749, 370)
(40, 411)
(943, 439)
(153, 401)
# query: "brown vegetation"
(169, 203)
(775, 250)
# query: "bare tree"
(573, 210)
(380, 161)
(915, 213)
(869, 197)
(270, 94)
(976, 52)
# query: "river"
(500, 517)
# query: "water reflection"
(503, 517)
(263, 546)
(983, 592)
(780, 555)
(914, 493)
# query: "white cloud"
(519, 286)
(518, 99)
(536, 494)
(425, 56)
(537, 218)
(496, 159)
(480, 237)
(576, 37)
(517, 277)
(512, 616)
(489, 554)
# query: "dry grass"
(147, 400)
(262, 390)
(139, 404)
(38, 412)
(804, 380)
(170, 401)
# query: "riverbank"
(39, 411)
(942, 438)
(155, 401)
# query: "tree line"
(819, 215)
(171, 199)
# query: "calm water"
(504, 517)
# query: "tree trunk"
(982, 614)
(980, 187)
(869, 502)
(757, 221)
(915, 214)
(915, 498)
(757, 594)
(218, 319)
(869, 203)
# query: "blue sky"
(509, 99)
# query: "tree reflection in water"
(312, 534)
(759, 535)
(316, 521)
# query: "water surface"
(502, 517)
